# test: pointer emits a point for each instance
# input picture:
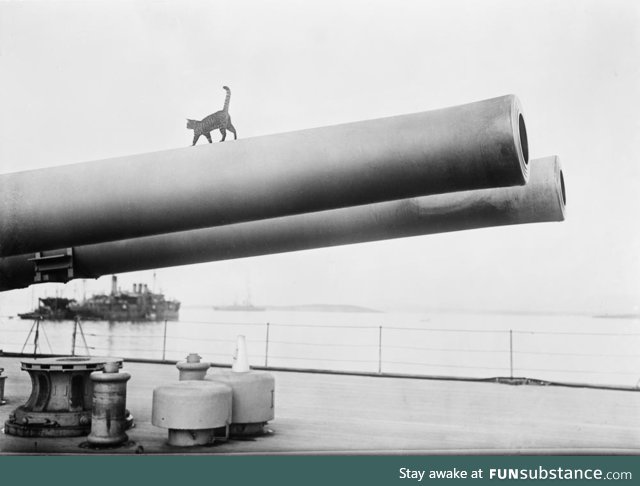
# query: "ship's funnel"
(241, 359)
(114, 285)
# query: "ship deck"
(318, 413)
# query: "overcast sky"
(82, 81)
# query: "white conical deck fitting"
(240, 359)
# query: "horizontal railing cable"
(441, 365)
(466, 350)
(306, 358)
(332, 345)
(579, 333)
(374, 348)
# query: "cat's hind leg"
(232, 129)
(224, 134)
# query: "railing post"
(73, 337)
(84, 339)
(266, 348)
(380, 349)
(511, 353)
(164, 341)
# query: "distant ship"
(138, 305)
(246, 307)
(52, 309)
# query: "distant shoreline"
(362, 309)
(323, 308)
(293, 308)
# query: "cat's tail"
(227, 98)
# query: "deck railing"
(597, 358)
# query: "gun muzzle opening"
(524, 144)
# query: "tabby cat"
(220, 120)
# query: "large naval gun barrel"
(541, 200)
(472, 146)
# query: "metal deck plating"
(343, 414)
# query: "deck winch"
(61, 397)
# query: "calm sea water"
(568, 348)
